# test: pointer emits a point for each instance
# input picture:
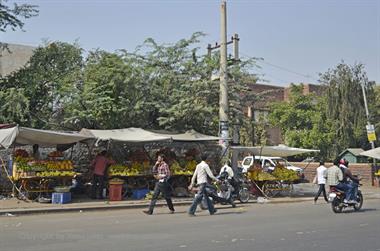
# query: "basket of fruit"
(62, 189)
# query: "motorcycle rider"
(334, 176)
(350, 180)
(228, 169)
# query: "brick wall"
(364, 169)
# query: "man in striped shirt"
(161, 173)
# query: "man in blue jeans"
(201, 173)
(334, 176)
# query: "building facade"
(14, 57)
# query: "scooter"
(336, 197)
(238, 192)
(213, 194)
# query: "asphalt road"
(291, 226)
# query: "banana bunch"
(282, 173)
(176, 169)
(121, 170)
(66, 165)
(191, 165)
(55, 173)
(259, 175)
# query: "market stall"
(139, 149)
(270, 183)
(34, 177)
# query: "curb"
(34, 211)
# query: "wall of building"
(13, 58)
(365, 170)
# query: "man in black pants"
(321, 181)
(161, 173)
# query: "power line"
(280, 67)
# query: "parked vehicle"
(336, 197)
(237, 188)
(269, 163)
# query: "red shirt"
(100, 163)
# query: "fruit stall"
(135, 150)
(33, 178)
(39, 177)
(137, 171)
(271, 184)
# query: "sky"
(297, 39)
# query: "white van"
(269, 163)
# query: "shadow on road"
(363, 210)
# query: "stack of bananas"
(258, 175)
(176, 169)
(282, 173)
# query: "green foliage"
(332, 122)
(345, 105)
(11, 16)
(13, 105)
(302, 122)
(155, 87)
(48, 82)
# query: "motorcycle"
(224, 192)
(238, 191)
(336, 197)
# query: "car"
(269, 164)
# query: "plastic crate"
(61, 198)
(139, 193)
(115, 192)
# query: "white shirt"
(227, 169)
(320, 175)
(201, 172)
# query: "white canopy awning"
(273, 151)
(133, 135)
(190, 135)
(373, 153)
(29, 136)
(8, 136)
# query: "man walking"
(321, 181)
(201, 173)
(161, 173)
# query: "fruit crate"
(138, 194)
(60, 198)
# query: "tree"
(302, 121)
(48, 81)
(11, 16)
(14, 106)
(345, 105)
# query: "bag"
(315, 180)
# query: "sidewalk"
(14, 207)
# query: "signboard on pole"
(371, 133)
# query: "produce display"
(279, 173)
(144, 168)
(27, 166)
(135, 168)
(177, 169)
(259, 175)
(282, 173)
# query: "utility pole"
(223, 95)
(370, 130)
(223, 77)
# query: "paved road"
(295, 226)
